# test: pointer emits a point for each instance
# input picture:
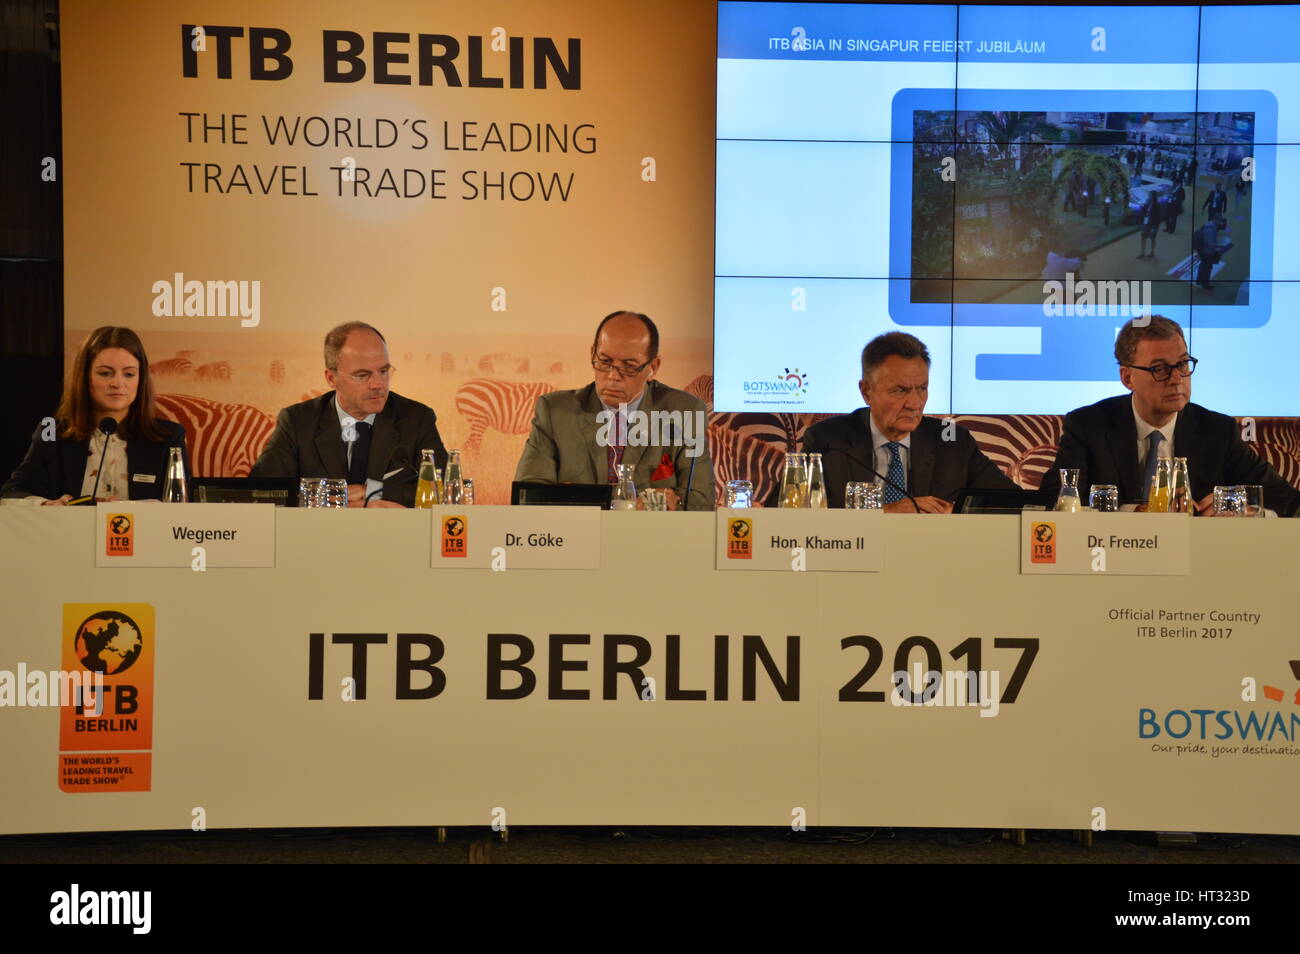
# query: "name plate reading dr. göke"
(516, 538)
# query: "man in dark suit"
(927, 458)
(360, 431)
(1216, 203)
(1118, 440)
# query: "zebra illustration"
(224, 440)
(505, 406)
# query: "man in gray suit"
(624, 417)
(928, 459)
(360, 431)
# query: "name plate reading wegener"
(198, 536)
(1123, 544)
(516, 538)
(816, 540)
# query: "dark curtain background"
(31, 222)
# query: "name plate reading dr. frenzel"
(193, 535)
(815, 540)
(1121, 544)
(516, 538)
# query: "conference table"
(355, 668)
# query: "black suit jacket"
(54, 468)
(308, 442)
(937, 468)
(1101, 441)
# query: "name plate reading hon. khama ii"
(516, 538)
(1121, 544)
(197, 536)
(794, 540)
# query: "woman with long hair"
(109, 379)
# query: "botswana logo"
(1276, 694)
(796, 380)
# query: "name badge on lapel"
(143, 478)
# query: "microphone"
(690, 473)
(108, 427)
(863, 463)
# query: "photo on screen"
(1046, 194)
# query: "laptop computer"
(981, 500)
(280, 491)
(531, 493)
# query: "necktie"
(1153, 454)
(360, 454)
(894, 473)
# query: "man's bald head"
(627, 346)
(630, 324)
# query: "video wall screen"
(1010, 184)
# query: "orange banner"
(115, 640)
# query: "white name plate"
(763, 539)
(516, 538)
(149, 533)
(1121, 544)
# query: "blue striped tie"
(895, 473)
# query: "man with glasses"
(360, 431)
(623, 418)
(1118, 440)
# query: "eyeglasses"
(1163, 372)
(622, 370)
(363, 377)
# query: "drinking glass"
(1104, 498)
(852, 492)
(1229, 501)
(740, 494)
(1253, 504)
(309, 491)
(871, 495)
(334, 493)
(467, 491)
